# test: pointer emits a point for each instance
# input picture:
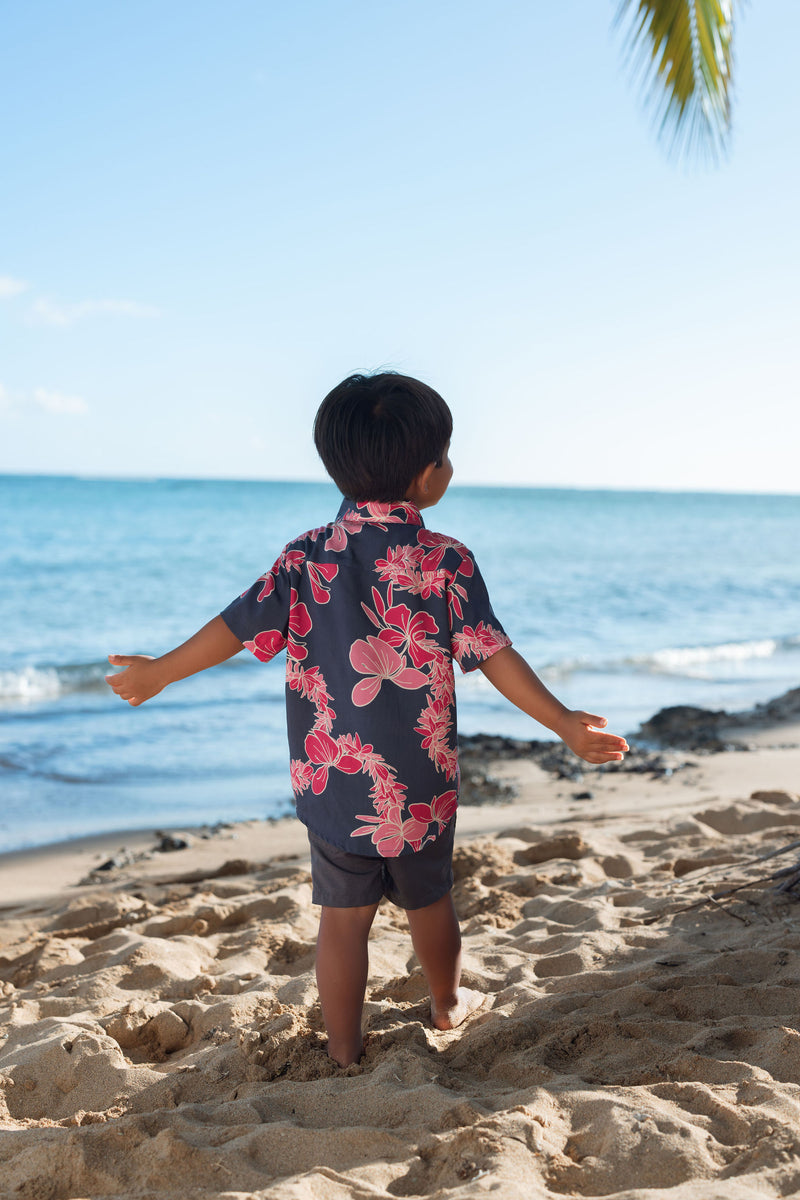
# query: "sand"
(160, 1034)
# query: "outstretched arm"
(510, 674)
(144, 676)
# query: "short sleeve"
(260, 617)
(475, 632)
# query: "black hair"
(376, 433)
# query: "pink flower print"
(411, 633)
(440, 810)
(374, 513)
(377, 617)
(391, 836)
(434, 724)
(293, 560)
(267, 644)
(401, 566)
(351, 744)
(380, 661)
(456, 594)
(339, 531)
(300, 774)
(377, 511)
(299, 625)
(432, 583)
(319, 575)
(323, 750)
(268, 588)
(483, 641)
(310, 683)
(439, 543)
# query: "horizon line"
(632, 489)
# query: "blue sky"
(211, 213)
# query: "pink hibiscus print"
(268, 588)
(402, 629)
(299, 625)
(321, 575)
(390, 836)
(293, 560)
(409, 631)
(325, 753)
(455, 595)
(380, 661)
(346, 524)
(266, 645)
(441, 809)
(439, 543)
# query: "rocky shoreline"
(657, 748)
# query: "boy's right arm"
(144, 677)
(581, 731)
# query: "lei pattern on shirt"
(402, 647)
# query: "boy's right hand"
(140, 680)
(583, 733)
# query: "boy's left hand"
(139, 681)
(582, 732)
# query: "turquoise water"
(625, 602)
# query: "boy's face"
(432, 484)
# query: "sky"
(211, 213)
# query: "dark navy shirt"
(372, 610)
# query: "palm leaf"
(682, 50)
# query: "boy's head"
(377, 433)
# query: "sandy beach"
(160, 1033)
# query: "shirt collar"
(375, 512)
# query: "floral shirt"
(372, 610)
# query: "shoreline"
(653, 746)
(683, 754)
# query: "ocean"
(625, 602)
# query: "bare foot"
(467, 1003)
(345, 1055)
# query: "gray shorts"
(340, 879)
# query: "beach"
(639, 1037)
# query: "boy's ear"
(424, 477)
(419, 486)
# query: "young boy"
(372, 610)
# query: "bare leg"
(342, 966)
(437, 944)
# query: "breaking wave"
(687, 661)
(32, 683)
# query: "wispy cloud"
(11, 287)
(58, 404)
(50, 312)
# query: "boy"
(372, 610)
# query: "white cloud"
(59, 404)
(11, 287)
(50, 312)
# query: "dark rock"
(168, 842)
(122, 858)
(477, 752)
(709, 730)
(783, 708)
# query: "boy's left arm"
(510, 674)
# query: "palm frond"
(682, 50)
